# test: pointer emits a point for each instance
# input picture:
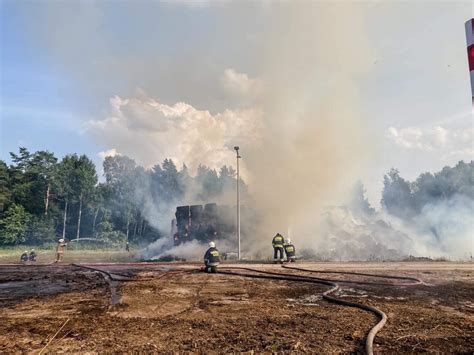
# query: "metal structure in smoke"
(236, 148)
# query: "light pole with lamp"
(236, 148)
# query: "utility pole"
(238, 202)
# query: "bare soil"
(189, 311)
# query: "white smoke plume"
(447, 226)
(151, 131)
(296, 137)
(302, 138)
(190, 251)
(314, 140)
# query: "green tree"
(185, 179)
(106, 232)
(397, 198)
(64, 175)
(97, 202)
(5, 193)
(23, 182)
(42, 166)
(76, 178)
(83, 182)
(40, 230)
(208, 183)
(171, 188)
(32, 176)
(120, 174)
(14, 225)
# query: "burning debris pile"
(429, 217)
(350, 236)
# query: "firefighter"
(32, 256)
(278, 243)
(60, 250)
(290, 251)
(127, 246)
(24, 257)
(211, 258)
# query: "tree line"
(43, 198)
(406, 200)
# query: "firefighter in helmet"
(32, 256)
(211, 258)
(24, 257)
(290, 251)
(60, 250)
(278, 243)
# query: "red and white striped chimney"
(470, 52)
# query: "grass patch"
(47, 254)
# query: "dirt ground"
(153, 308)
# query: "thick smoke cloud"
(448, 227)
(290, 95)
(313, 145)
(302, 137)
(437, 209)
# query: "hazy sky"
(184, 79)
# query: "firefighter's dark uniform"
(278, 247)
(211, 260)
(24, 257)
(290, 252)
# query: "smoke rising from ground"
(302, 139)
(313, 140)
(289, 95)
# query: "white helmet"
(32, 250)
(212, 245)
(288, 241)
(61, 240)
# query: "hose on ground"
(382, 315)
(326, 295)
(416, 281)
(269, 275)
(128, 279)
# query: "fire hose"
(126, 277)
(326, 295)
(415, 281)
(269, 275)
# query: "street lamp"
(238, 202)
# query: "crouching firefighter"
(24, 257)
(290, 251)
(32, 256)
(211, 258)
(278, 243)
